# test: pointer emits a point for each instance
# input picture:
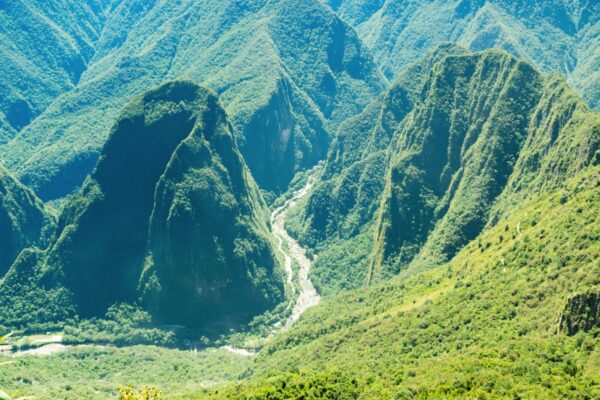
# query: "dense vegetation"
(32, 76)
(447, 153)
(452, 222)
(285, 71)
(486, 325)
(24, 220)
(170, 218)
(555, 36)
(97, 372)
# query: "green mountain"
(485, 325)
(554, 36)
(32, 76)
(170, 218)
(24, 220)
(430, 167)
(447, 153)
(287, 72)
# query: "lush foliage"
(24, 220)
(558, 36)
(176, 223)
(483, 326)
(285, 71)
(148, 393)
(97, 372)
(453, 225)
(446, 153)
(33, 76)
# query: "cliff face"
(209, 258)
(170, 216)
(489, 132)
(581, 313)
(24, 220)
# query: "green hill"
(478, 135)
(558, 36)
(170, 216)
(33, 76)
(287, 72)
(24, 220)
(485, 325)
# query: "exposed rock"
(581, 313)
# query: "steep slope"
(170, 216)
(558, 36)
(24, 220)
(462, 145)
(486, 325)
(339, 216)
(452, 164)
(287, 72)
(45, 47)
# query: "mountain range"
(182, 173)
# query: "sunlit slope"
(487, 324)
(559, 36)
(459, 140)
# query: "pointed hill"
(170, 219)
(482, 134)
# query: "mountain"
(554, 36)
(460, 140)
(288, 72)
(170, 219)
(33, 76)
(24, 220)
(485, 325)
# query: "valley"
(293, 253)
(299, 199)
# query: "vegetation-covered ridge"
(46, 47)
(485, 325)
(24, 220)
(460, 139)
(554, 36)
(287, 73)
(170, 219)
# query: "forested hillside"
(287, 72)
(554, 36)
(446, 153)
(485, 325)
(299, 199)
(170, 217)
(46, 46)
(24, 220)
